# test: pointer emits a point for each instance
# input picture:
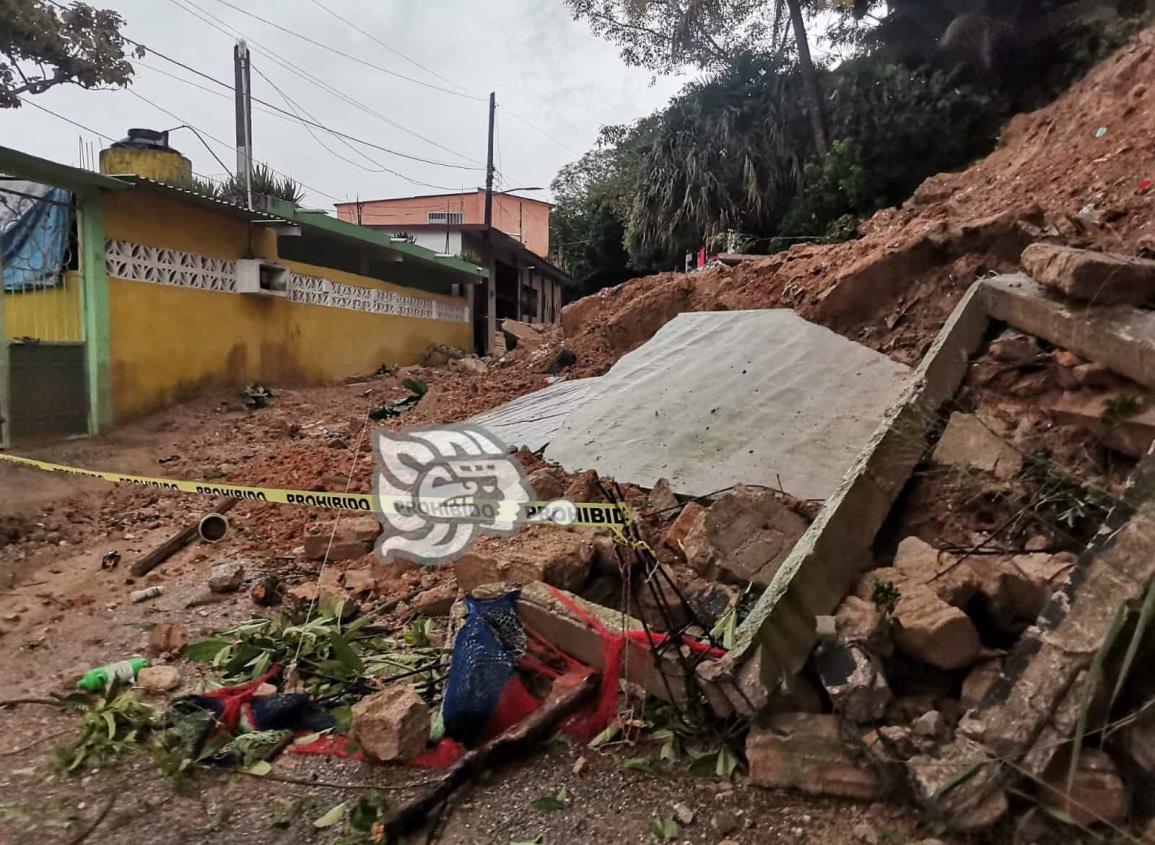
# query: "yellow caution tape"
(611, 516)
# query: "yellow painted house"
(165, 292)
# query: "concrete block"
(1121, 337)
(968, 442)
(806, 751)
(1100, 278)
(820, 569)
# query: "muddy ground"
(61, 613)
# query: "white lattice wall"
(138, 263)
(186, 269)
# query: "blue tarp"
(34, 225)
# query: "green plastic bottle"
(124, 671)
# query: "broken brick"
(691, 514)
(968, 442)
(805, 751)
(437, 600)
(167, 637)
(979, 681)
(392, 724)
(558, 556)
(933, 631)
(1097, 793)
(743, 537)
(352, 539)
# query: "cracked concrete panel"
(532, 420)
(716, 399)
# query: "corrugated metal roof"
(197, 198)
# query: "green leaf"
(1142, 623)
(549, 803)
(605, 736)
(345, 654)
(260, 768)
(334, 816)
(204, 651)
(727, 763)
(639, 764)
(704, 766)
(344, 717)
(664, 830)
(415, 386)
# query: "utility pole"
(244, 100)
(489, 310)
(489, 163)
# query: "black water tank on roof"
(144, 139)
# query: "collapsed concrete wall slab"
(533, 420)
(1119, 336)
(716, 399)
(779, 633)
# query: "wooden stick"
(517, 739)
(177, 542)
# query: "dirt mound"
(1070, 173)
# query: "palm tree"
(809, 75)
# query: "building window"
(445, 218)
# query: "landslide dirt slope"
(1055, 176)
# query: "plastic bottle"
(147, 593)
(102, 677)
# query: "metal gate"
(43, 381)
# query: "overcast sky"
(546, 69)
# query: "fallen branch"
(516, 740)
(34, 743)
(48, 702)
(177, 542)
(84, 834)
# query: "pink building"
(522, 285)
(523, 219)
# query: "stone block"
(743, 537)
(392, 724)
(968, 442)
(1096, 795)
(1096, 277)
(933, 631)
(806, 751)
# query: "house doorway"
(43, 365)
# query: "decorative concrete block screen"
(187, 269)
(721, 398)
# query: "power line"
(80, 125)
(379, 168)
(233, 32)
(540, 131)
(192, 129)
(273, 108)
(351, 57)
(224, 144)
(395, 52)
(75, 123)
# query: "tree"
(43, 45)
(592, 201)
(809, 75)
(666, 35)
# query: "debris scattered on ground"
(226, 576)
(388, 410)
(257, 396)
(392, 724)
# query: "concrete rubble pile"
(972, 676)
(884, 636)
